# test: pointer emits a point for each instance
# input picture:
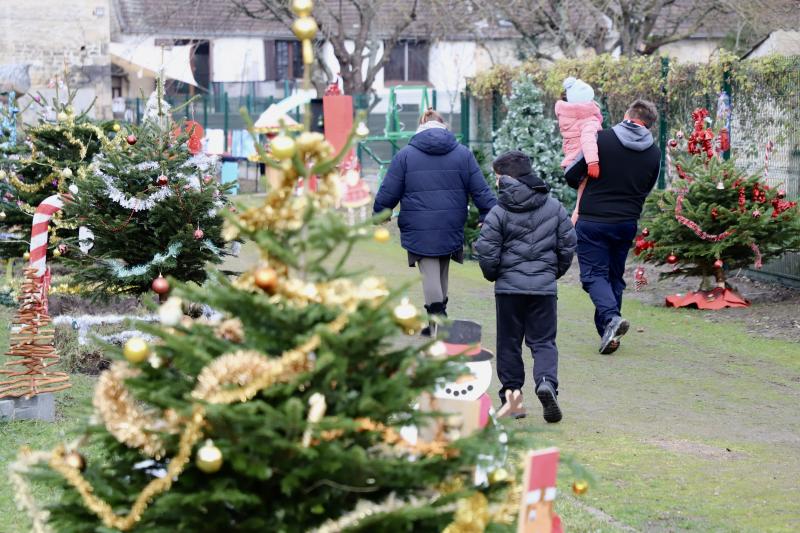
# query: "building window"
(408, 61)
(284, 60)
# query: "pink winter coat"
(579, 124)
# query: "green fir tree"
(714, 217)
(526, 127)
(150, 206)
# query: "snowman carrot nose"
(466, 378)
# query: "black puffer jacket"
(527, 240)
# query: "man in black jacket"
(527, 242)
(609, 210)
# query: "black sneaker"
(547, 395)
(615, 329)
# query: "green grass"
(691, 426)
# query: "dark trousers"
(602, 251)
(532, 318)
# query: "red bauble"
(62, 248)
(781, 193)
(673, 143)
(718, 263)
(160, 285)
(131, 139)
(646, 232)
(756, 213)
(198, 234)
(714, 213)
(162, 180)
(672, 259)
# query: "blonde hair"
(430, 115)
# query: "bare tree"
(362, 33)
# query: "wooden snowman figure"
(536, 513)
(467, 395)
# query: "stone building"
(53, 34)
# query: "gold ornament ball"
(406, 315)
(75, 460)
(69, 109)
(209, 458)
(283, 147)
(116, 127)
(305, 28)
(67, 172)
(309, 141)
(302, 8)
(62, 116)
(26, 256)
(136, 350)
(382, 235)
(56, 253)
(580, 487)
(498, 476)
(266, 279)
(2, 215)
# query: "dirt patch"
(696, 449)
(773, 313)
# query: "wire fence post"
(465, 97)
(225, 120)
(662, 133)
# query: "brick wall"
(48, 33)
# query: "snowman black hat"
(463, 337)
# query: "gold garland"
(365, 509)
(32, 188)
(17, 471)
(191, 434)
(127, 421)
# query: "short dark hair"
(643, 110)
(512, 163)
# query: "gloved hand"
(593, 170)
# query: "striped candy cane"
(39, 232)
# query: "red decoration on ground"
(131, 139)
(639, 278)
(160, 285)
(714, 299)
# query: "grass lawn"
(690, 426)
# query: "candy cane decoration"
(767, 153)
(39, 232)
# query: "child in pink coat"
(579, 120)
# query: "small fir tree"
(527, 128)
(147, 206)
(715, 217)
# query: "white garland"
(131, 202)
(139, 270)
(83, 323)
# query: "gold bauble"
(26, 256)
(305, 28)
(209, 458)
(75, 460)
(70, 110)
(406, 315)
(580, 487)
(67, 172)
(362, 130)
(266, 279)
(498, 476)
(302, 8)
(309, 141)
(437, 350)
(61, 116)
(382, 235)
(2, 215)
(56, 253)
(282, 147)
(116, 127)
(136, 350)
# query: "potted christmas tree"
(714, 217)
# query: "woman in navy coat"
(433, 178)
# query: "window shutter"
(269, 60)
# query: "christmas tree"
(714, 217)
(527, 128)
(148, 207)
(57, 151)
(287, 411)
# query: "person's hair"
(643, 110)
(430, 115)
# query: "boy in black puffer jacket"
(527, 242)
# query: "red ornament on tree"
(198, 234)
(646, 232)
(673, 143)
(160, 285)
(162, 181)
(672, 259)
(131, 139)
(756, 213)
(718, 263)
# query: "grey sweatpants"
(435, 271)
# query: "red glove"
(593, 170)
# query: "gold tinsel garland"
(125, 419)
(17, 472)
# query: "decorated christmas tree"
(149, 206)
(714, 217)
(292, 409)
(56, 151)
(526, 127)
